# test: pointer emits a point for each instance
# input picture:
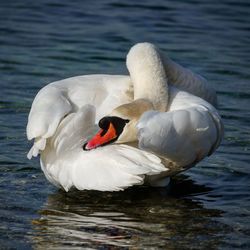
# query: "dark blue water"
(207, 207)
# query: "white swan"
(162, 111)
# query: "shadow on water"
(139, 217)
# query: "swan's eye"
(117, 122)
(104, 123)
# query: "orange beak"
(101, 139)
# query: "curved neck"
(148, 75)
(187, 80)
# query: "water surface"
(207, 207)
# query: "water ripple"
(44, 41)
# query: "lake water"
(207, 207)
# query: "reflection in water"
(136, 218)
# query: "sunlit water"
(207, 207)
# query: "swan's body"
(168, 131)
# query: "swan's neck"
(187, 80)
(148, 75)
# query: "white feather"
(189, 131)
(64, 115)
(70, 166)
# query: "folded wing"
(185, 134)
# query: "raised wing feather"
(48, 108)
(60, 98)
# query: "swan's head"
(111, 127)
(120, 126)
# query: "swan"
(110, 132)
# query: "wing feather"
(109, 168)
(183, 136)
(48, 109)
